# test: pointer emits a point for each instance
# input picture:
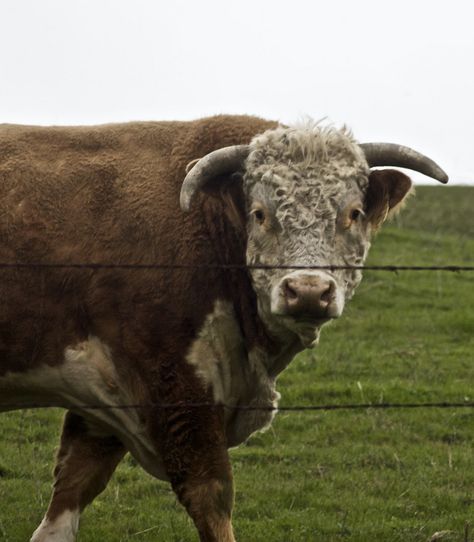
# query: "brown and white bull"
(262, 195)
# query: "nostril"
(289, 292)
(328, 294)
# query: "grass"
(359, 476)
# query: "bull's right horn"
(390, 154)
(219, 162)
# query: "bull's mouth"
(313, 322)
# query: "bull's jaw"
(308, 332)
(286, 330)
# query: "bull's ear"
(386, 193)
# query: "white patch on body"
(217, 353)
(236, 377)
(61, 529)
(86, 377)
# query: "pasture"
(359, 476)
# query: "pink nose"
(308, 295)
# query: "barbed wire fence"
(290, 408)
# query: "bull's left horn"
(390, 154)
(225, 160)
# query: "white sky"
(399, 71)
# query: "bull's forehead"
(305, 166)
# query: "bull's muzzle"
(307, 296)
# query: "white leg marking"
(62, 529)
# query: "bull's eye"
(355, 214)
(259, 215)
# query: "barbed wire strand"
(267, 408)
(97, 266)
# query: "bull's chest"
(238, 379)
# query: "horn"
(390, 154)
(225, 160)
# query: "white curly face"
(305, 191)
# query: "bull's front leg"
(85, 463)
(197, 463)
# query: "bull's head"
(312, 200)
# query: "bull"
(239, 207)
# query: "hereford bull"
(187, 346)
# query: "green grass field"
(371, 475)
